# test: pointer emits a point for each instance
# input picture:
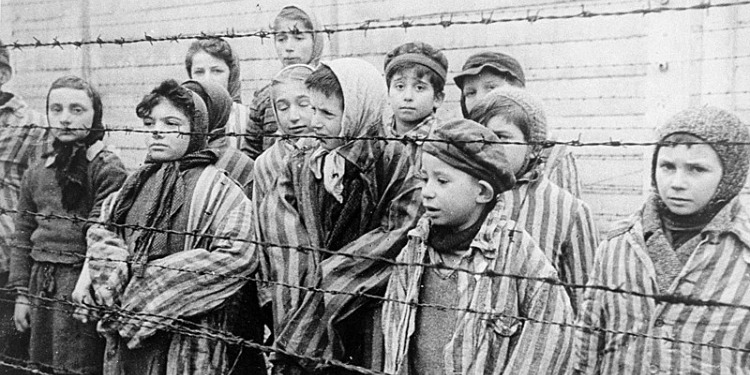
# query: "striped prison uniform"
(194, 283)
(561, 168)
(629, 334)
(19, 149)
(503, 325)
(560, 223)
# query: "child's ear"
(486, 192)
(437, 101)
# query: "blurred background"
(605, 69)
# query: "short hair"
(169, 90)
(78, 83)
(421, 71)
(216, 47)
(293, 13)
(506, 107)
(324, 80)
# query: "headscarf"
(218, 105)
(318, 38)
(71, 164)
(499, 102)
(171, 188)
(291, 73)
(235, 80)
(365, 101)
(729, 137)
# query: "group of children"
(338, 224)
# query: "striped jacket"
(629, 334)
(507, 330)
(167, 289)
(561, 224)
(19, 149)
(561, 168)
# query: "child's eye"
(303, 103)
(698, 169)
(280, 38)
(77, 110)
(667, 166)
(217, 71)
(442, 181)
(55, 109)
(421, 88)
(470, 94)
(281, 107)
(148, 122)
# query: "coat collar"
(91, 153)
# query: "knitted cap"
(499, 62)
(504, 100)
(725, 133)
(459, 148)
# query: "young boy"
(352, 195)
(486, 71)
(561, 223)
(295, 44)
(23, 140)
(449, 321)
(691, 238)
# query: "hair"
(503, 106)
(421, 71)
(324, 80)
(73, 82)
(215, 47)
(169, 90)
(293, 13)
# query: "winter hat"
(522, 109)
(474, 149)
(727, 135)
(416, 53)
(499, 62)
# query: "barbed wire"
(365, 27)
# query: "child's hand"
(22, 314)
(82, 297)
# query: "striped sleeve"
(578, 252)
(561, 169)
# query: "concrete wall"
(601, 78)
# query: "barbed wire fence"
(628, 150)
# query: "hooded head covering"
(70, 163)
(365, 102)
(498, 62)
(729, 137)
(474, 149)
(220, 49)
(301, 13)
(218, 106)
(291, 73)
(5, 60)
(524, 110)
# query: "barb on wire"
(389, 25)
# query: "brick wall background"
(602, 78)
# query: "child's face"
(70, 113)
(450, 196)
(687, 176)
(208, 68)
(509, 132)
(476, 87)
(165, 117)
(412, 98)
(328, 111)
(293, 108)
(291, 47)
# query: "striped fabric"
(239, 168)
(561, 224)
(168, 287)
(238, 127)
(562, 170)
(19, 149)
(262, 122)
(637, 335)
(494, 338)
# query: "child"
(353, 194)
(23, 140)
(239, 167)
(295, 44)
(213, 60)
(415, 74)
(486, 71)
(561, 223)
(48, 251)
(689, 239)
(164, 273)
(465, 228)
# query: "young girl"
(48, 252)
(213, 60)
(295, 44)
(189, 266)
(562, 224)
(691, 238)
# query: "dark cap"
(474, 149)
(5, 56)
(499, 62)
